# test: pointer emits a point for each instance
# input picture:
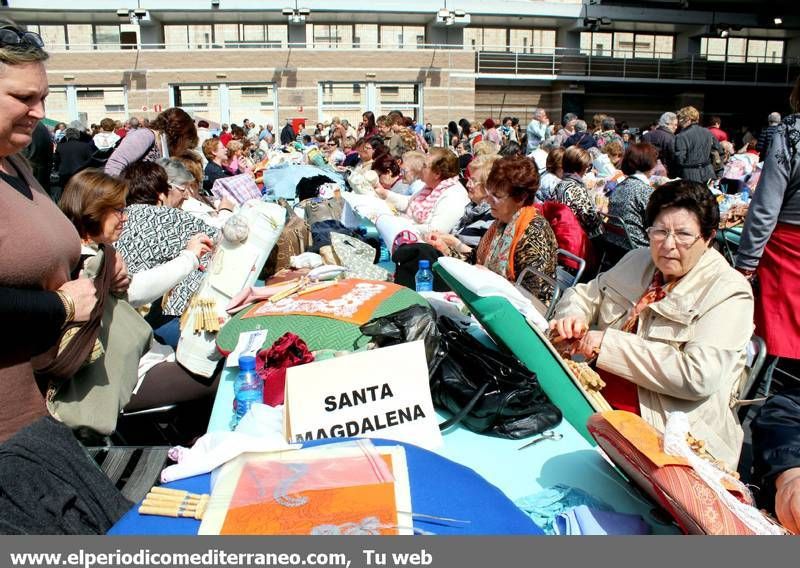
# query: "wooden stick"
(175, 492)
(281, 295)
(315, 288)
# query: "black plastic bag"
(409, 324)
(487, 391)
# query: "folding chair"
(565, 278)
(756, 355)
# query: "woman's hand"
(200, 244)
(787, 499)
(226, 203)
(121, 277)
(83, 294)
(589, 345)
(570, 327)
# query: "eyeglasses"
(683, 239)
(13, 36)
(119, 211)
(180, 188)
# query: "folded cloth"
(305, 260)
(543, 507)
(261, 430)
(583, 520)
(50, 485)
(271, 364)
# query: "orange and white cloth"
(353, 301)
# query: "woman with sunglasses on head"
(669, 324)
(39, 246)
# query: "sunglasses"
(13, 36)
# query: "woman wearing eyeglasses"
(669, 324)
(39, 247)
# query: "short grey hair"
(774, 118)
(667, 118)
(580, 126)
(608, 123)
(177, 173)
(537, 111)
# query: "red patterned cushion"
(636, 447)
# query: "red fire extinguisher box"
(298, 124)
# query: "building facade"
(271, 61)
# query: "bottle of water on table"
(247, 388)
(423, 280)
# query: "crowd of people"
(665, 317)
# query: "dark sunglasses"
(13, 36)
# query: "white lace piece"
(675, 444)
(345, 306)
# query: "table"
(517, 473)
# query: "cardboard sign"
(382, 393)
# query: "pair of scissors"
(548, 435)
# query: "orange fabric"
(319, 303)
(526, 216)
(253, 509)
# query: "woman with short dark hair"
(157, 231)
(572, 191)
(630, 197)
(520, 237)
(669, 324)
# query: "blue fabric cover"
(439, 487)
(282, 180)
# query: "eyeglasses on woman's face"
(12, 36)
(683, 239)
(181, 188)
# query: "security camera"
(139, 13)
(287, 11)
(122, 13)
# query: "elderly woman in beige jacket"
(669, 324)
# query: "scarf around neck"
(423, 202)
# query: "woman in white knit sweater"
(440, 204)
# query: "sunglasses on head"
(12, 36)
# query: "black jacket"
(584, 140)
(287, 134)
(72, 156)
(776, 442)
(664, 140)
(693, 147)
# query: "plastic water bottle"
(423, 280)
(745, 194)
(247, 388)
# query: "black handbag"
(487, 391)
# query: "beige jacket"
(689, 351)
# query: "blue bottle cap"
(247, 363)
(424, 263)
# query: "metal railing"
(537, 62)
(578, 64)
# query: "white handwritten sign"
(382, 393)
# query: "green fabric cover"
(318, 332)
(510, 329)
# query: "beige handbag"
(98, 391)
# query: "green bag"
(98, 391)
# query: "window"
(521, 40)
(741, 50)
(399, 37)
(250, 35)
(176, 37)
(106, 37)
(325, 35)
(627, 45)
(200, 101)
(365, 36)
(79, 36)
(97, 103)
(403, 97)
(188, 37)
(254, 102)
(54, 37)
